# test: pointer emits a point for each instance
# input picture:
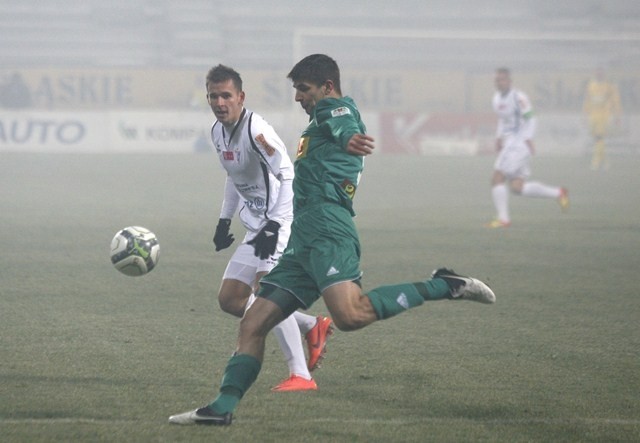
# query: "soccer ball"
(135, 251)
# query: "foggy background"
(412, 56)
(466, 34)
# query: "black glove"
(222, 239)
(266, 241)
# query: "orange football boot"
(296, 383)
(317, 341)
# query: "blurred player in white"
(514, 143)
(258, 184)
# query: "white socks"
(500, 195)
(305, 322)
(537, 189)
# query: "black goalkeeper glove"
(222, 239)
(266, 241)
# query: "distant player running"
(602, 105)
(514, 143)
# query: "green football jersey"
(324, 171)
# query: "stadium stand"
(411, 33)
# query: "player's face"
(503, 82)
(226, 101)
(308, 95)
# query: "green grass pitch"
(88, 354)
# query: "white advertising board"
(110, 131)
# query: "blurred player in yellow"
(602, 105)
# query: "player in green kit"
(322, 258)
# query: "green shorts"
(323, 250)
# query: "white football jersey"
(259, 172)
(516, 122)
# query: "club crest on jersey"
(303, 146)
(342, 110)
(349, 188)
(270, 150)
(227, 155)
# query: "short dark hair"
(222, 73)
(317, 69)
(504, 70)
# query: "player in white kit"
(514, 143)
(258, 184)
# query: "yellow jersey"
(602, 98)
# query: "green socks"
(434, 289)
(392, 300)
(387, 301)
(240, 373)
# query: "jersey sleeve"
(524, 105)
(270, 148)
(529, 128)
(231, 199)
(338, 121)
(525, 108)
(281, 211)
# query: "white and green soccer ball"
(135, 251)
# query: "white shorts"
(513, 161)
(244, 265)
